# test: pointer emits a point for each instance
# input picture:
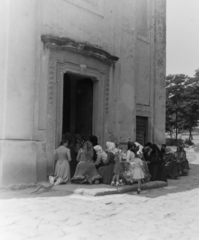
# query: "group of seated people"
(175, 163)
(80, 161)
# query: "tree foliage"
(182, 103)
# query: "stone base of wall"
(22, 162)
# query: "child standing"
(128, 174)
(118, 167)
(135, 166)
(138, 173)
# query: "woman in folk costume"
(106, 172)
(86, 171)
(62, 157)
(153, 159)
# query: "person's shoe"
(117, 184)
(112, 183)
(96, 182)
(89, 181)
(138, 191)
(59, 181)
(51, 180)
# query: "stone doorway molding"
(67, 56)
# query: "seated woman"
(85, 170)
(168, 161)
(181, 161)
(106, 172)
(62, 168)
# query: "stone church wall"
(135, 83)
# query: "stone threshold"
(86, 190)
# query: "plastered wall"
(109, 25)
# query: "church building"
(92, 67)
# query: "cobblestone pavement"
(168, 213)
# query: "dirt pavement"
(167, 213)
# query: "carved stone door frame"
(64, 55)
(98, 79)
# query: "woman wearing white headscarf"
(106, 172)
(101, 156)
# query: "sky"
(182, 36)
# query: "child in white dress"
(135, 168)
(128, 174)
(138, 173)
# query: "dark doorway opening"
(77, 105)
(141, 130)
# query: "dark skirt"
(157, 172)
(106, 172)
(171, 170)
(183, 168)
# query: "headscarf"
(148, 144)
(139, 151)
(93, 139)
(154, 148)
(98, 149)
(168, 150)
(110, 146)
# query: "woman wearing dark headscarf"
(152, 156)
(181, 160)
(168, 161)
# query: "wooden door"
(84, 107)
(141, 130)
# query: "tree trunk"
(190, 135)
